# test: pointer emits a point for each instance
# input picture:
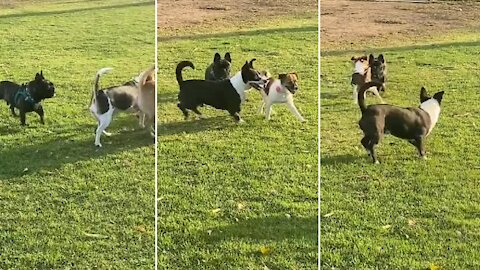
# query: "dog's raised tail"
(361, 93)
(180, 67)
(99, 74)
(147, 75)
(96, 82)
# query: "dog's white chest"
(239, 85)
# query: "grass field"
(63, 203)
(405, 213)
(227, 191)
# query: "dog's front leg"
(41, 113)
(22, 116)
(295, 112)
(141, 119)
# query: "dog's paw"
(376, 162)
(108, 134)
(99, 145)
(240, 122)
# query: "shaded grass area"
(405, 213)
(64, 203)
(226, 191)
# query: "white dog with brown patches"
(280, 90)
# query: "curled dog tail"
(147, 75)
(96, 82)
(180, 67)
(361, 93)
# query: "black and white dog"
(219, 69)
(412, 124)
(27, 97)
(106, 102)
(225, 95)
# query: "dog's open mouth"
(259, 85)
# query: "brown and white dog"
(146, 98)
(280, 90)
(362, 74)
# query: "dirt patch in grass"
(345, 22)
(184, 14)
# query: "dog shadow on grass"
(194, 125)
(340, 159)
(61, 148)
(265, 230)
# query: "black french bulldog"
(27, 97)
(219, 69)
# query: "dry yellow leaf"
(265, 250)
(328, 215)
(216, 210)
(386, 226)
(412, 222)
(240, 206)
(433, 267)
(141, 228)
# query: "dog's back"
(7, 90)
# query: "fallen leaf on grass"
(265, 250)
(412, 222)
(209, 232)
(141, 228)
(25, 170)
(433, 267)
(216, 210)
(288, 216)
(385, 227)
(328, 215)
(240, 206)
(95, 235)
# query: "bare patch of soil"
(181, 14)
(343, 22)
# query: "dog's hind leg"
(199, 114)
(104, 121)
(268, 110)
(12, 109)
(374, 140)
(183, 109)
(295, 112)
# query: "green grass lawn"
(226, 191)
(63, 203)
(405, 213)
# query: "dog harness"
(23, 94)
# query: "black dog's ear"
(381, 59)
(371, 59)
(217, 57)
(227, 57)
(423, 95)
(39, 76)
(282, 77)
(251, 62)
(439, 96)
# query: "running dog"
(27, 97)
(106, 102)
(413, 124)
(280, 90)
(361, 75)
(224, 95)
